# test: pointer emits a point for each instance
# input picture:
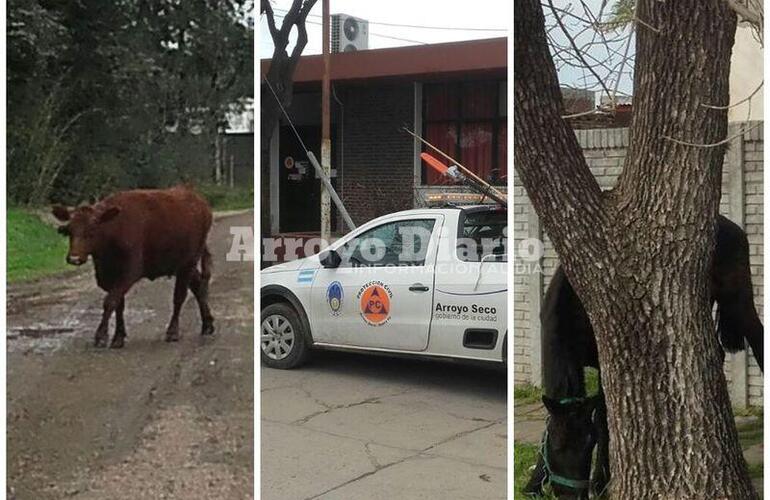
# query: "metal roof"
(487, 57)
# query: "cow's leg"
(180, 294)
(200, 288)
(119, 339)
(111, 302)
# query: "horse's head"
(568, 445)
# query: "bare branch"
(714, 144)
(578, 53)
(745, 99)
(753, 12)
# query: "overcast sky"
(482, 14)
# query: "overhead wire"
(370, 32)
(417, 26)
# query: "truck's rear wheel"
(282, 337)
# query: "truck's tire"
(283, 340)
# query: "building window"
(468, 122)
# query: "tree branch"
(753, 12)
(302, 29)
(549, 160)
(742, 131)
(267, 9)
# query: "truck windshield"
(481, 234)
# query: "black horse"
(569, 346)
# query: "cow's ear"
(61, 213)
(108, 214)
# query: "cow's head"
(83, 227)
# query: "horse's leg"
(534, 486)
(602, 470)
(754, 336)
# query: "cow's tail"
(206, 263)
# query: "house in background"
(453, 94)
(237, 142)
(746, 76)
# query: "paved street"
(356, 426)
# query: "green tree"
(130, 93)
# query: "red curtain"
(473, 108)
(476, 148)
(443, 136)
(441, 102)
(479, 101)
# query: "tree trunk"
(280, 77)
(639, 256)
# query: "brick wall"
(605, 152)
(377, 174)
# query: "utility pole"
(326, 144)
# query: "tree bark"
(639, 256)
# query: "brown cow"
(143, 234)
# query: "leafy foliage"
(621, 15)
(34, 247)
(111, 95)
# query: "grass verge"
(35, 249)
(525, 454)
(223, 198)
(750, 433)
(529, 394)
(524, 457)
(526, 394)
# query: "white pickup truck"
(429, 282)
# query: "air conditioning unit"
(349, 34)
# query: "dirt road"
(153, 420)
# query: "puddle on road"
(37, 332)
(47, 338)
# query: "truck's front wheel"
(282, 337)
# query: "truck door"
(382, 293)
(469, 309)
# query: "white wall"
(746, 74)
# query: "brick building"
(453, 94)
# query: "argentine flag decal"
(306, 276)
